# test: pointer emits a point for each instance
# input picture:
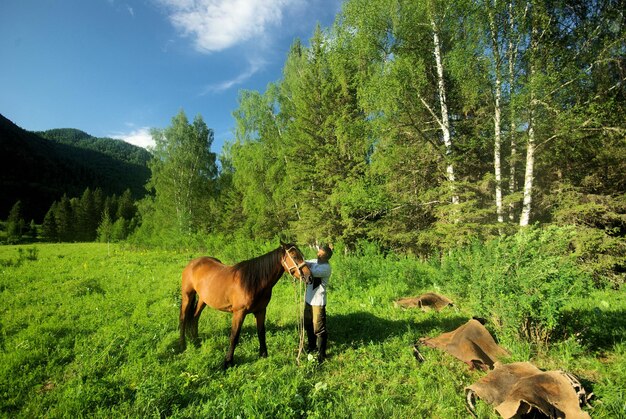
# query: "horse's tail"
(188, 306)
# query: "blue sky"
(116, 68)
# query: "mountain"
(39, 167)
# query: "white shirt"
(317, 296)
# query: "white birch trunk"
(530, 149)
(512, 169)
(445, 119)
(528, 175)
(497, 116)
(496, 151)
(512, 56)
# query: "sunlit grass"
(92, 330)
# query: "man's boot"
(322, 340)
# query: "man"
(315, 303)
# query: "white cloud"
(140, 137)
(216, 25)
(254, 66)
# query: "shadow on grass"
(355, 329)
(351, 330)
(597, 329)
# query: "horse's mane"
(254, 272)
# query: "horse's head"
(293, 262)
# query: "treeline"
(420, 125)
(90, 217)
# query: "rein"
(299, 298)
(300, 307)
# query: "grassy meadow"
(92, 329)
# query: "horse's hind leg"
(196, 317)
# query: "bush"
(600, 243)
(521, 282)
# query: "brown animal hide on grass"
(519, 388)
(427, 301)
(471, 343)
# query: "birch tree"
(497, 106)
(443, 118)
(533, 77)
(183, 174)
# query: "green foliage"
(15, 224)
(120, 150)
(81, 219)
(601, 226)
(183, 172)
(23, 254)
(522, 282)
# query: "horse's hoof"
(262, 354)
(227, 364)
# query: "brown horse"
(240, 289)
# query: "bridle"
(295, 266)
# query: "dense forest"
(419, 125)
(39, 168)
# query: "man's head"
(324, 253)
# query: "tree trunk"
(513, 125)
(528, 175)
(497, 116)
(445, 119)
(530, 148)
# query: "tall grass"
(91, 330)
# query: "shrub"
(600, 243)
(521, 282)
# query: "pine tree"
(65, 220)
(49, 229)
(105, 229)
(15, 224)
(87, 217)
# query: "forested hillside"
(39, 168)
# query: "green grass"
(91, 330)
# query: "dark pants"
(315, 326)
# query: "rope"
(300, 307)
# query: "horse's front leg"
(260, 328)
(238, 317)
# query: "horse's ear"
(282, 243)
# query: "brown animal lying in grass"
(471, 343)
(427, 301)
(521, 388)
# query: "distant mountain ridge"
(39, 167)
(115, 148)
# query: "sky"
(117, 68)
